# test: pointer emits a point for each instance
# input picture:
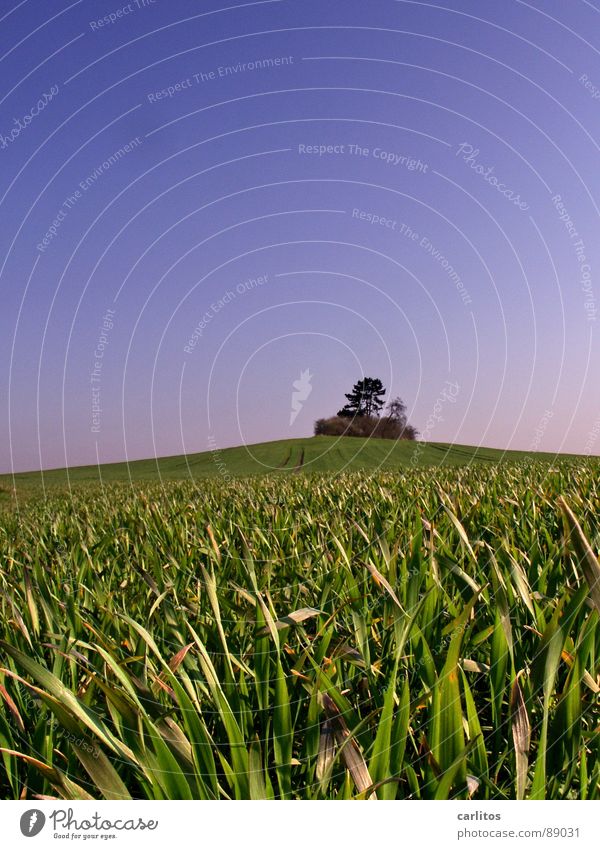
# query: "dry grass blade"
(349, 750)
(300, 615)
(587, 559)
(381, 581)
(589, 682)
(472, 785)
(12, 706)
(326, 754)
(521, 731)
(178, 658)
(213, 542)
(292, 619)
(474, 666)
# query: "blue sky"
(201, 202)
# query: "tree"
(397, 410)
(366, 398)
(398, 420)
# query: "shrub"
(385, 427)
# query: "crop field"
(407, 634)
(314, 454)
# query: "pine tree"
(366, 398)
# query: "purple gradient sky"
(217, 192)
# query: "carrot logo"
(32, 822)
(302, 389)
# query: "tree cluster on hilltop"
(361, 415)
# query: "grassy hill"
(311, 454)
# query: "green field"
(312, 454)
(411, 633)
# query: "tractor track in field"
(284, 462)
(300, 462)
(461, 452)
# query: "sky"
(216, 218)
